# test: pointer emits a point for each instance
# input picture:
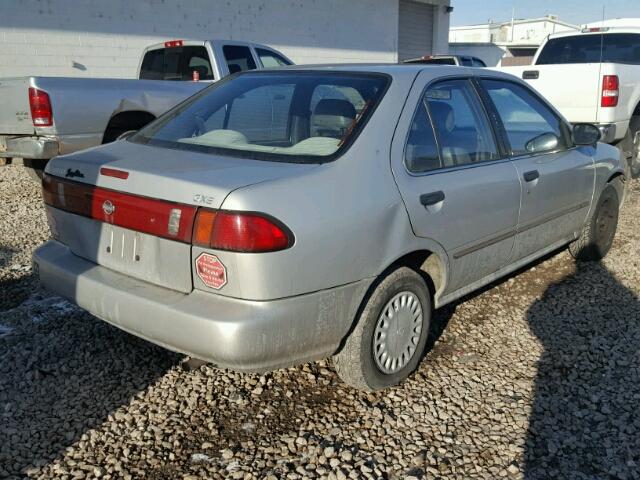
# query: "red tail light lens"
(40, 105)
(155, 217)
(240, 232)
(220, 230)
(173, 43)
(610, 91)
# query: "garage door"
(415, 30)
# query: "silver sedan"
(284, 216)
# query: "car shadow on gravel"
(63, 373)
(584, 422)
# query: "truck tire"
(388, 340)
(597, 235)
(630, 146)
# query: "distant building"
(512, 42)
(99, 38)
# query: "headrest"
(336, 108)
(443, 116)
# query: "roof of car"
(389, 68)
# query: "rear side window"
(463, 133)
(238, 58)
(610, 47)
(177, 63)
(271, 59)
(525, 117)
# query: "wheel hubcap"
(397, 332)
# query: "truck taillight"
(173, 43)
(610, 91)
(40, 106)
(240, 232)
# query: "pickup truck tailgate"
(578, 100)
(15, 114)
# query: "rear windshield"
(610, 47)
(282, 116)
(435, 61)
(177, 63)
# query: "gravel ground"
(535, 377)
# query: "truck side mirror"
(586, 134)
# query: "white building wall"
(104, 38)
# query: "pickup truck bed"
(593, 76)
(42, 117)
(83, 108)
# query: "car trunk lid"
(141, 225)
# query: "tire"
(597, 235)
(405, 291)
(630, 147)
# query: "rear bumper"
(608, 132)
(36, 148)
(238, 334)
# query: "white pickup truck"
(42, 117)
(593, 76)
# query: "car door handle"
(531, 176)
(428, 199)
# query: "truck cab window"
(271, 59)
(238, 58)
(176, 63)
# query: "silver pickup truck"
(42, 117)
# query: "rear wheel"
(630, 146)
(389, 337)
(597, 235)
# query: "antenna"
(602, 37)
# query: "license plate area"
(156, 260)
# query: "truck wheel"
(598, 233)
(630, 146)
(389, 337)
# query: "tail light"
(216, 229)
(173, 43)
(40, 105)
(610, 91)
(240, 232)
(155, 217)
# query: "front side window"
(463, 133)
(239, 58)
(271, 59)
(176, 63)
(289, 116)
(528, 122)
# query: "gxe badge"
(108, 208)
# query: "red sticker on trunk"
(211, 271)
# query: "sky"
(468, 12)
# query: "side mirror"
(542, 143)
(586, 134)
